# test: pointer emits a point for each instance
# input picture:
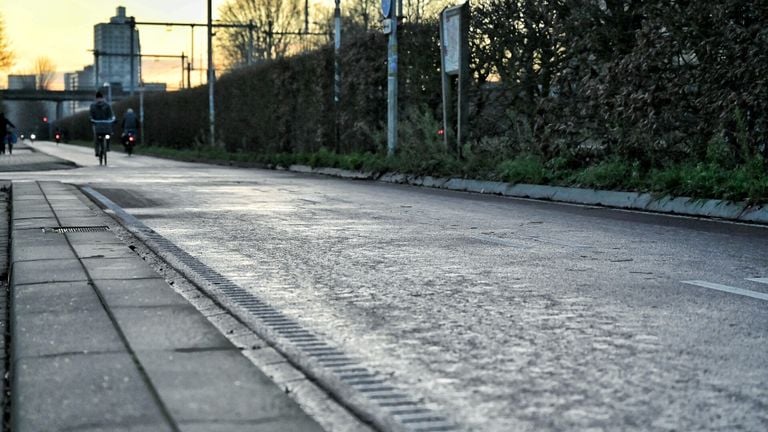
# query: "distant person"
(4, 132)
(102, 119)
(130, 125)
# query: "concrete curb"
(708, 208)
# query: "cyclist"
(102, 119)
(5, 134)
(130, 125)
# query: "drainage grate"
(75, 229)
(369, 384)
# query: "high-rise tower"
(117, 52)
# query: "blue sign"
(386, 8)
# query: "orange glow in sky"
(62, 30)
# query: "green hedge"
(605, 87)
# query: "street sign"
(386, 26)
(452, 38)
(386, 8)
(454, 62)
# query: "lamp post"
(109, 93)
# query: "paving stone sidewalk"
(101, 343)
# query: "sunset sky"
(63, 31)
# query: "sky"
(63, 31)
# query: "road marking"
(728, 289)
(759, 280)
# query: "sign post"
(389, 9)
(454, 61)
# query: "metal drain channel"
(75, 229)
(386, 406)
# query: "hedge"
(568, 82)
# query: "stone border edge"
(666, 204)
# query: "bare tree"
(416, 11)
(362, 15)
(44, 72)
(272, 20)
(6, 55)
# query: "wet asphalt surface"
(506, 314)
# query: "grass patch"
(747, 182)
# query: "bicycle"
(102, 141)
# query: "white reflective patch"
(759, 280)
(728, 289)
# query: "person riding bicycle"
(102, 119)
(5, 134)
(130, 125)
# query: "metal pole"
(392, 85)
(183, 65)
(141, 115)
(192, 54)
(131, 26)
(446, 84)
(250, 42)
(96, 79)
(337, 72)
(211, 78)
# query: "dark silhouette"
(101, 114)
(4, 132)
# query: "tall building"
(117, 52)
(22, 82)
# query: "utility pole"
(337, 72)
(211, 78)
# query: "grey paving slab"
(104, 237)
(19, 194)
(101, 392)
(76, 213)
(31, 213)
(54, 298)
(36, 235)
(61, 194)
(81, 221)
(268, 425)
(220, 388)
(169, 328)
(34, 223)
(103, 250)
(118, 268)
(64, 270)
(45, 251)
(139, 293)
(60, 332)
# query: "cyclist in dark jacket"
(102, 118)
(130, 124)
(4, 133)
